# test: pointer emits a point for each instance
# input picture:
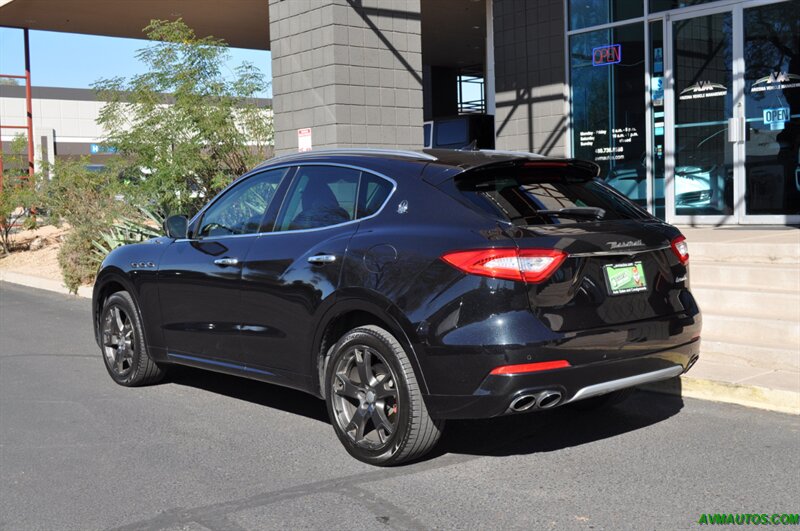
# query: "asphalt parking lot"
(205, 451)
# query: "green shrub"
(87, 201)
(81, 197)
(17, 195)
(16, 199)
(75, 258)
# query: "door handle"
(736, 130)
(226, 261)
(321, 259)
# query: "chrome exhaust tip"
(523, 403)
(548, 399)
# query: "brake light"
(548, 164)
(530, 367)
(681, 249)
(530, 265)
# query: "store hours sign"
(607, 145)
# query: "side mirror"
(176, 226)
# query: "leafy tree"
(184, 128)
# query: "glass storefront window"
(608, 105)
(772, 109)
(586, 13)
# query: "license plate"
(625, 278)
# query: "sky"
(76, 61)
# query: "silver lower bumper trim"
(622, 383)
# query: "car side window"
(320, 196)
(241, 210)
(372, 195)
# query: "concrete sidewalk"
(747, 283)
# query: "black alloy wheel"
(374, 401)
(124, 352)
(365, 398)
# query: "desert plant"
(128, 229)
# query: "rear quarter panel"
(395, 260)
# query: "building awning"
(241, 23)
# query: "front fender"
(133, 268)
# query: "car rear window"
(519, 196)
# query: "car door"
(199, 277)
(291, 274)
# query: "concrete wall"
(530, 76)
(351, 70)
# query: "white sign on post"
(304, 140)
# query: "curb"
(46, 284)
(752, 396)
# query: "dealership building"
(690, 107)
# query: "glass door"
(701, 154)
(733, 114)
(771, 150)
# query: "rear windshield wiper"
(574, 212)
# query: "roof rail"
(353, 151)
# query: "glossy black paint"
(273, 315)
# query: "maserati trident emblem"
(625, 245)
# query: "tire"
(384, 422)
(123, 348)
(604, 401)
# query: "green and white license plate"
(625, 278)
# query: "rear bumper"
(497, 392)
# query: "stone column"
(351, 70)
(530, 77)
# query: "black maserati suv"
(408, 288)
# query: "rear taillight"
(681, 249)
(530, 265)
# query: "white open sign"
(776, 118)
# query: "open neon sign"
(607, 55)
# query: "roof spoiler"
(575, 168)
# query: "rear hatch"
(619, 265)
